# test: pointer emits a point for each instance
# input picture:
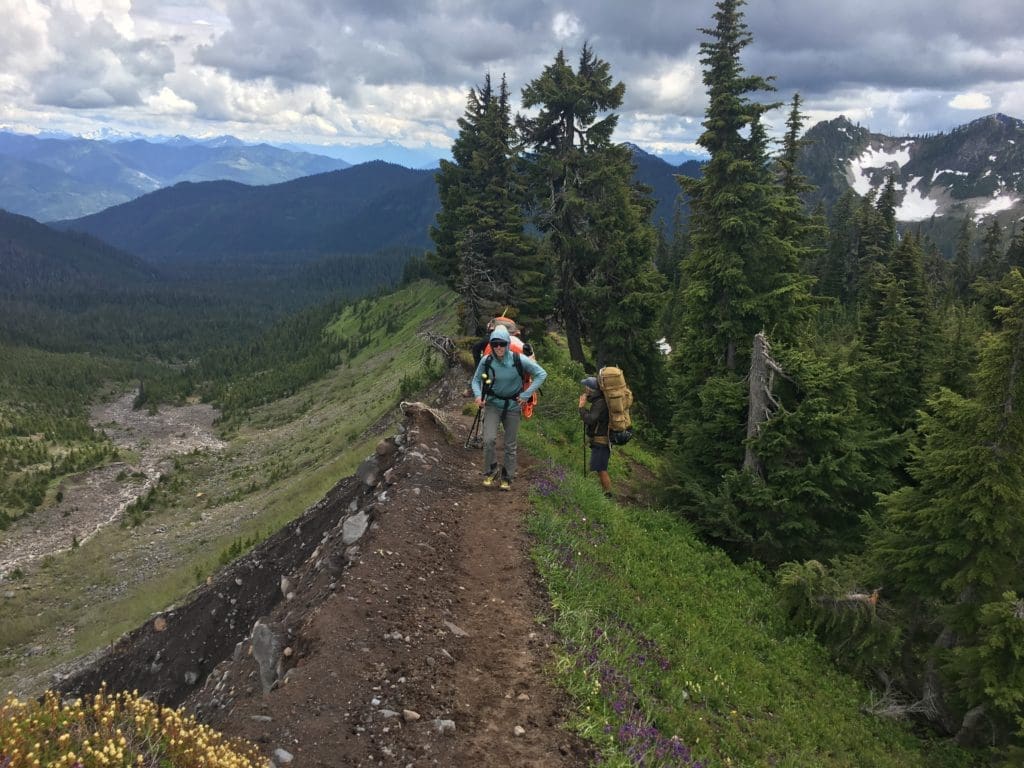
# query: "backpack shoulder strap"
(517, 360)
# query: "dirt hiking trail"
(397, 622)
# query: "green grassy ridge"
(675, 654)
(282, 458)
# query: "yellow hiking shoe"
(505, 484)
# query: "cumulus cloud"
(401, 70)
(972, 100)
(84, 59)
(566, 26)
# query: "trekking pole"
(584, 450)
(474, 428)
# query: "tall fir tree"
(596, 223)
(963, 262)
(992, 254)
(741, 275)
(479, 235)
(838, 271)
(808, 232)
(899, 339)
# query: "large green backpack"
(618, 398)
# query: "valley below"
(91, 500)
(194, 496)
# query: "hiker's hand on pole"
(583, 400)
(480, 402)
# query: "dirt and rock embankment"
(396, 622)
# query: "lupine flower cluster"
(549, 479)
(577, 529)
(636, 736)
(123, 730)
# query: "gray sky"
(363, 71)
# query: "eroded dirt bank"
(397, 622)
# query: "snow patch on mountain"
(1000, 202)
(916, 206)
(874, 158)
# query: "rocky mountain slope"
(396, 622)
(975, 170)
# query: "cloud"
(402, 70)
(566, 26)
(87, 62)
(970, 101)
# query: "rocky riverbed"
(99, 497)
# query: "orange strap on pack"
(527, 407)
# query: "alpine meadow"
(242, 516)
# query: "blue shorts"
(599, 455)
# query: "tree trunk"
(760, 403)
(573, 338)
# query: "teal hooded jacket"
(506, 378)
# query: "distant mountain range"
(357, 210)
(61, 178)
(53, 177)
(976, 170)
(422, 158)
(361, 209)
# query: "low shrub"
(112, 729)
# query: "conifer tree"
(624, 291)
(1014, 256)
(874, 241)
(950, 545)
(837, 275)
(886, 207)
(595, 222)
(479, 234)
(807, 232)
(899, 338)
(963, 263)
(991, 252)
(822, 463)
(741, 275)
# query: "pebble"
(444, 726)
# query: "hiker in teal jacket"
(498, 387)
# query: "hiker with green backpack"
(500, 388)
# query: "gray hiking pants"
(492, 417)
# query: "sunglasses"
(499, 344)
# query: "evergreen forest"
(840, 407)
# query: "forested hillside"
(80, 319)
(839, 407)
(362, 209)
